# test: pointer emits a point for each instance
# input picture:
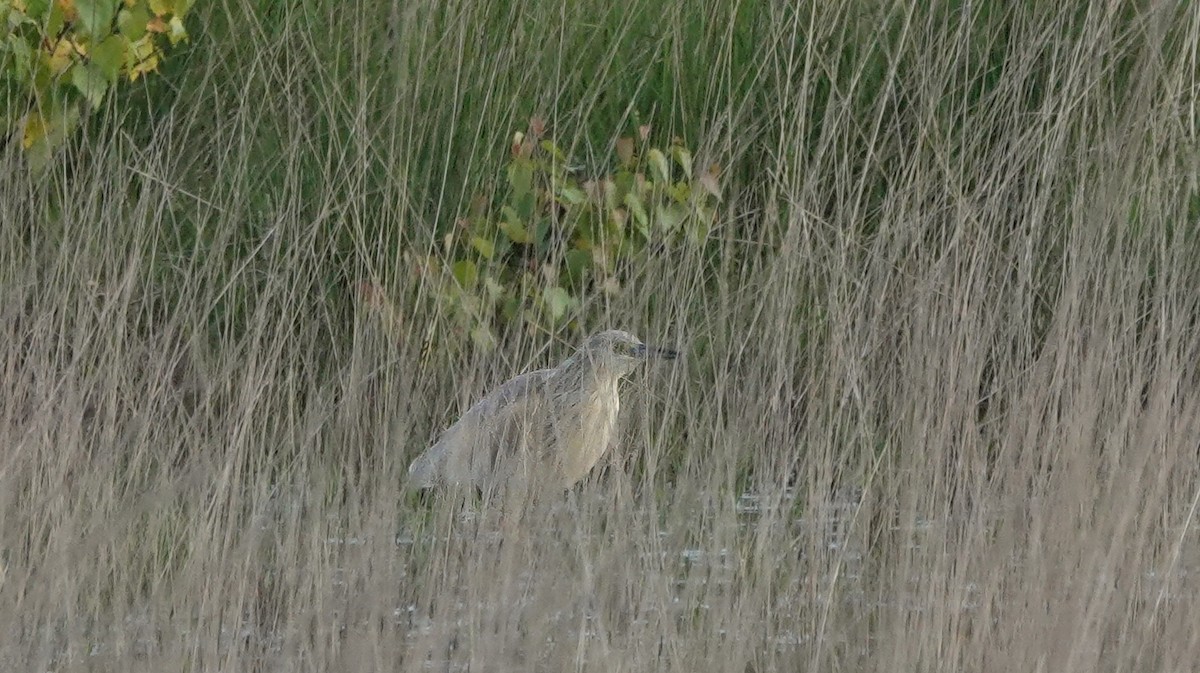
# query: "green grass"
(955, 272)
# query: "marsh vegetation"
(937, 405)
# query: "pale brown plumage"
(548, 426)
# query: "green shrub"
(59, 59)
(556, 234)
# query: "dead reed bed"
(938, 405)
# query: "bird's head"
(619, 352)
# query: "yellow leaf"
(177, 33)
(46, 128)
(61, 57)
(35, 130)
(68, 10)
(144, 67)
(142, 57)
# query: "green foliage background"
(60, 58)
(935, 261)
(387, 129)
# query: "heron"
(549, 426)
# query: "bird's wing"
(471, 450)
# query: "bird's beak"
(648, 352)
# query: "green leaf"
(174, 7)
(520, 176)
(483, 246)
(11, 103)
(699, 228)
(578, 262)
(515, 231)
(465, 273)
(96, 17)
(639, 212)
(109, 56)
(557, 301)
(22, 57)
(684, 158)
(37, 9)
(510, 308)
(494, 289)
(525, 206)
(55, 20)
(623, 183)
(501, 246)
(553, 150)
(669, 217)
(658, 164)
(680, 192)
(541, 232)
(45, 132)
(131, 21)
(571, 194)
(90, 82)
(483, 338)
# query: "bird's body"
(549, 426)
(598, 422)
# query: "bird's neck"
(586, 375)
